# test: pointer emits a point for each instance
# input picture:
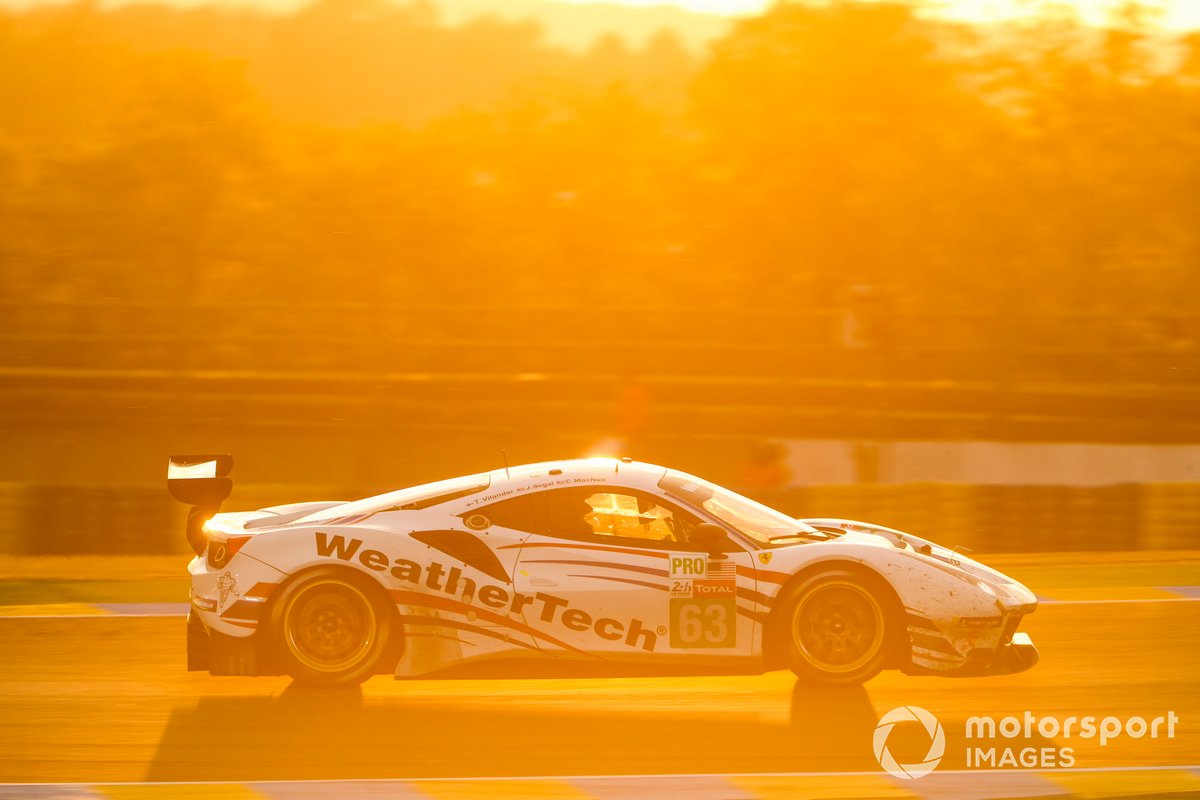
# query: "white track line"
(650, 776)
(1126, 600)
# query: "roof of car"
(578, 466)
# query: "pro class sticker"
(703, 598)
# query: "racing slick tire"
(833, 627)
(329, 629)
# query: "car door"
(461, 579)
(610, 572)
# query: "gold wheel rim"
(838, 627)
(330, 626)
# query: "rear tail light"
(221, 551)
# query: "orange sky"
(1175, 14)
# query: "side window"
(522, 513)
(626, 516)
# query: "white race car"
(606, 565)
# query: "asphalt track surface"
(92, 700)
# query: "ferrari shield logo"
(765, 557)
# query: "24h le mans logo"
(937, 742)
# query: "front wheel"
(833, 628)
(328, 630)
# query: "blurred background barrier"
(997, 519)
(66, 520)
(853, 257)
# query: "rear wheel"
(833, 628)
(329, 630)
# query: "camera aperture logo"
(937, 742)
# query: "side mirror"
(711, 537)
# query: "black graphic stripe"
(757, 597)
(647, 584)
(662, 573)
(438, 622)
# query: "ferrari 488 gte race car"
(600, 563)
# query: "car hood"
(866, 532)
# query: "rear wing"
(201, 481)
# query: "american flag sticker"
(720, 579)
(718, 570)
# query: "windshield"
(415, 497)
(757, 521)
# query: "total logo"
(937, 742)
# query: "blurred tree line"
(819, 155)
